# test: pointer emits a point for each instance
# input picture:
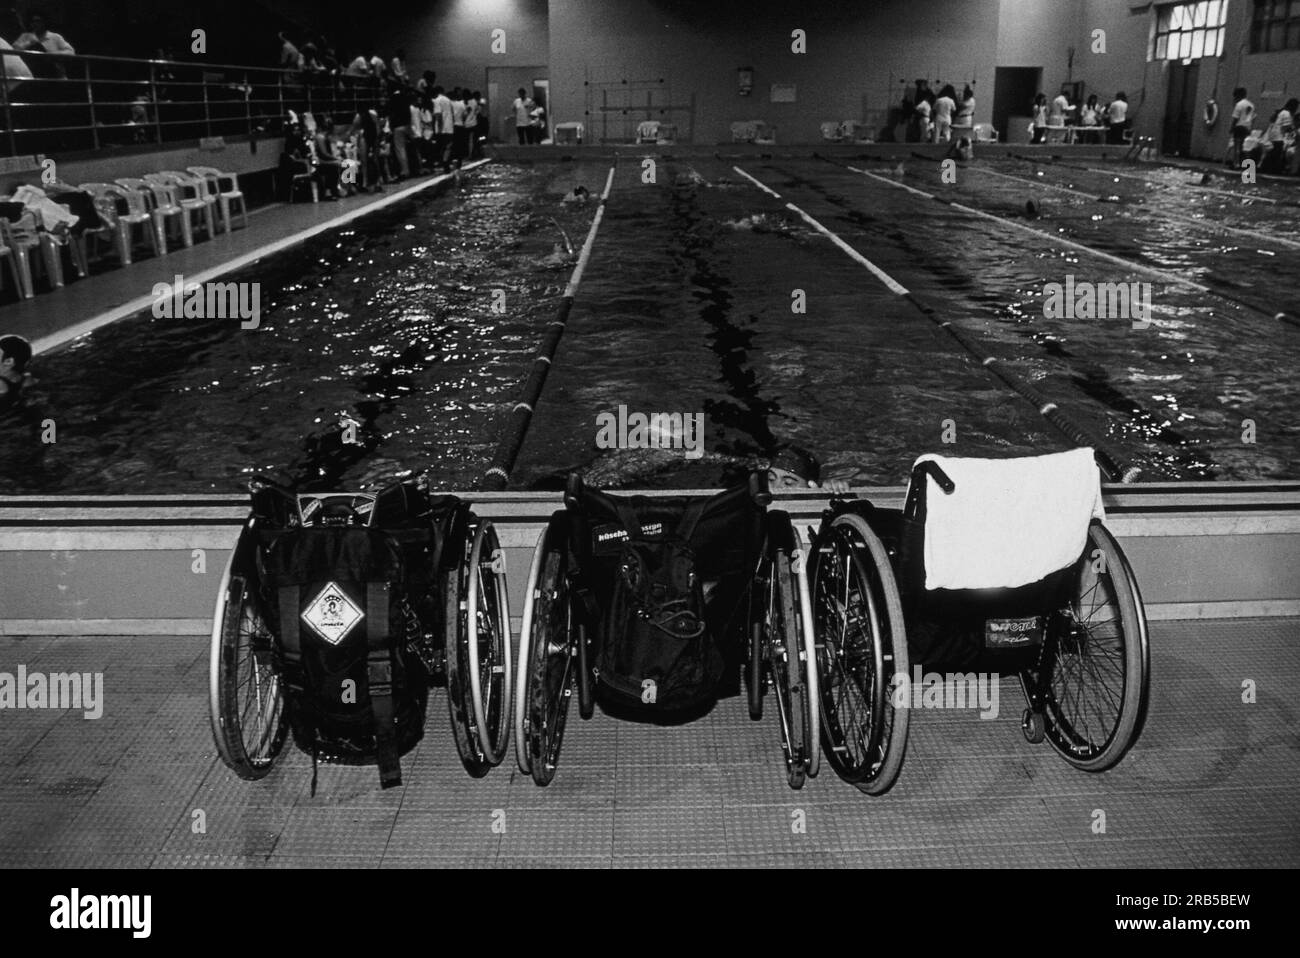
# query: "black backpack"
(658, 652)
(354, 692)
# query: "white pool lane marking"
(1165, 214)
(1164, 276)
(140, 303)
(572, 288)
(762, 186)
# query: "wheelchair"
(1077, 636)
(338, 611)
(666, 659)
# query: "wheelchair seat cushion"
(1009, 522)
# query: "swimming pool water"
(686, 306)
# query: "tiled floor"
(1213, 782)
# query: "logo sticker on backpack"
(332, 615)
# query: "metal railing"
(75, 104)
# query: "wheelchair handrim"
(492, 751)
(522, 758)
(812, 694)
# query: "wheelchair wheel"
(488, 661)
(787, 663)
(861, 646)
(245, 697)
(546, 656)
(1094, 667)
(460, 706)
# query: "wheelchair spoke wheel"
(489, 665)
(1093, 671)
(785, 669)
(861, 646)
(546, 656)
(460, 705)
(246, 699)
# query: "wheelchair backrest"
(981, 524)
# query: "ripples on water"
(686, 307)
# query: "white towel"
(1009, 522)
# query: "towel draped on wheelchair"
(1007, 522)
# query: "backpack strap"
(290, 643)
(379, 679)
(691, 518)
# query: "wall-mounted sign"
(783, 92)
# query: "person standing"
(944, 107)
(1040, 118)
(1117, 118)
(537, 122)
(471, 124)
(1090, 117)
(399, 122)
(1243, 121)
(443, 128)
(966, 109)
(1059, 114)
(459, 133)
(1280, 136)
(523, 106)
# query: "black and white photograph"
(650, 434)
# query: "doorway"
(1180, 108)
(1014, 89)
(503, 84)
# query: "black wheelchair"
(336, 614)
(654, 606)
(1077, 637)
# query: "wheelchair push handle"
(935, 471)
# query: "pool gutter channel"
(1113, 466)
(521, 416)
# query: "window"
(1276, 26)
(1188, 31)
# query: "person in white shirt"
(1281, 137)
(360, 67)
(923, 125)
(523, 106)
(40, 39)
(537, 123)
(444, 124)
(1090, 117)
(1243, 121)
(966, 109)
(1040, 118)
(399, 65)
(459, 133)
(377, 66)
(1117, 118)
(1060, 112)
(943, 111)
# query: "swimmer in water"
(789, 468)
(15, 354)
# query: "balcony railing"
(82, 104)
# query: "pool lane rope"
(512, 440)
(1165, 214)
(1173, 279)
(1112, 465)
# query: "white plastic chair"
(136, 213)
(832, 132)
(647, 131)
(161, 203)
(21, 238)
(226, 186)
(985, 133)
(190, 193)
